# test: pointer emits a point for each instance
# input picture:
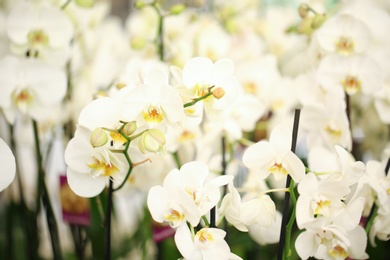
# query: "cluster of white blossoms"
(33, 76)
(191, 108)
(35, 41)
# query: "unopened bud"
(218, 93)
(85, 3)
(129, 128)
(305, 26)
(98, 137)
(318, 20)
(137, 43)
(177, 9)
(152, 141)
(303, 10)
(139, 4)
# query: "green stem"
(134, 136)
(160, 31)
(285, 230)
(245, 141)
(28, 225)
(371, 218)
(196, 100)
(374, 209)
(192, 231)
(290, 224)
(78, 240)
(44, 195)
(125, 153)
(107, 244)
(177, 159)
(65, 4)
(206, 221)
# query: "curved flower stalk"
(200, 74)
(8, 161)
(100, 149)
(89, 167)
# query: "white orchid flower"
(200, 74)
(275, 156)
(208, 243)
(338, 237)
(260, 210)
(344, 34)
(154, 104)
(89, 167)
(39, 30)
(319, 198)
(352, 74)
(7, 160)
(186, 194)
(30, 86)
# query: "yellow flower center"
(22, 99)
(153, 114)
(202, 90)
(278, 169)
(186, 136)
(351, 85)
(118, 138)
(204, 236)
(345, 46)
(101, 168)
(338, 252)
(277, 104)
(334, 133)
(37, 38)
(174, 216)
(250, 87)
(192, 193)
(321, 206)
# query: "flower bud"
(137, 43)
(152, 140)
(318, 20)
(98, 137)
(303, 10)
(218, 93)
(139, 4)
(85, 3)
(305, 26)
(177, 9)
(129, 128)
